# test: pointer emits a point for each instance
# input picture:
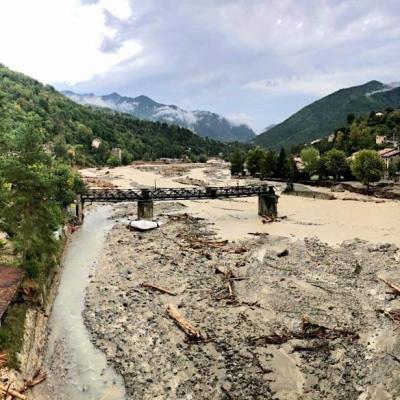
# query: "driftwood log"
(191, 331)
(12, 392)
(159, 288)
(38, 378)
(390, 284)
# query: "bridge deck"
(121, 195)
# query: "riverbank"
(280, 318)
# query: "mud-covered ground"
(284, 320)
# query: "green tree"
(255, 160)
(310, 157)
(32, 192)
(282, 164)
(113, 161)
(367, 167)
(237, 159)
(335, 163)
(350, 118)
(268, 167)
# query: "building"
(380, 139)
(96, 142)
(379, 114)
(117, 152)
(332, 137)
(390, 157)
(10, 281)
(299, 163)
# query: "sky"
(253, 61)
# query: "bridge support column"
(145, 209)
(79, 209)
(268, 205)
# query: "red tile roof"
(391, 153)
(384, 151)
(10, 280)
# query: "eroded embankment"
(287, 320)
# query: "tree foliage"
(70, 127)
(367, 167)
(34, 189)
(335, 163)
(310, 157)
(237, 160)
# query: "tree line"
(366, 166)
(350, 153)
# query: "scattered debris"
(186, 326)
(159, 288)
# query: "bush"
(113, 161)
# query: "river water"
(76, 369)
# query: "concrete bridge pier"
(268, 204)
(79, 209)
(145, 209)
(145, 206)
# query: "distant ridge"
(323, 116)
(204, 123)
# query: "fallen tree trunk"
(191, 331)
(390, 284)
(159, 288)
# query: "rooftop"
(390, 153)
(10, 280)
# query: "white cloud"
(59, 41)
(239, 118)
(320, 84)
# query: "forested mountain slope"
(204, 123)
(69, 128)
(323, 116)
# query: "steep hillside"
(204, 123)
(323, 116)
(70, 127)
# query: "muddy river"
(72, 361)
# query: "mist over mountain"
(321, 117)
(204, 123)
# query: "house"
(96, 142)
(379, 114)
(380, 139)
(332, 137)
(390, 157)
(10, 281)
(117, 152)
(299, 163)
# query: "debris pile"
(182, 314)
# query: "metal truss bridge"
(158, 194)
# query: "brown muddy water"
(76, 369)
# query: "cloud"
(62, 41)
(262, 58)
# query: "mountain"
(204, 123)
(69, 128)
(269, 127)
(323, 116)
